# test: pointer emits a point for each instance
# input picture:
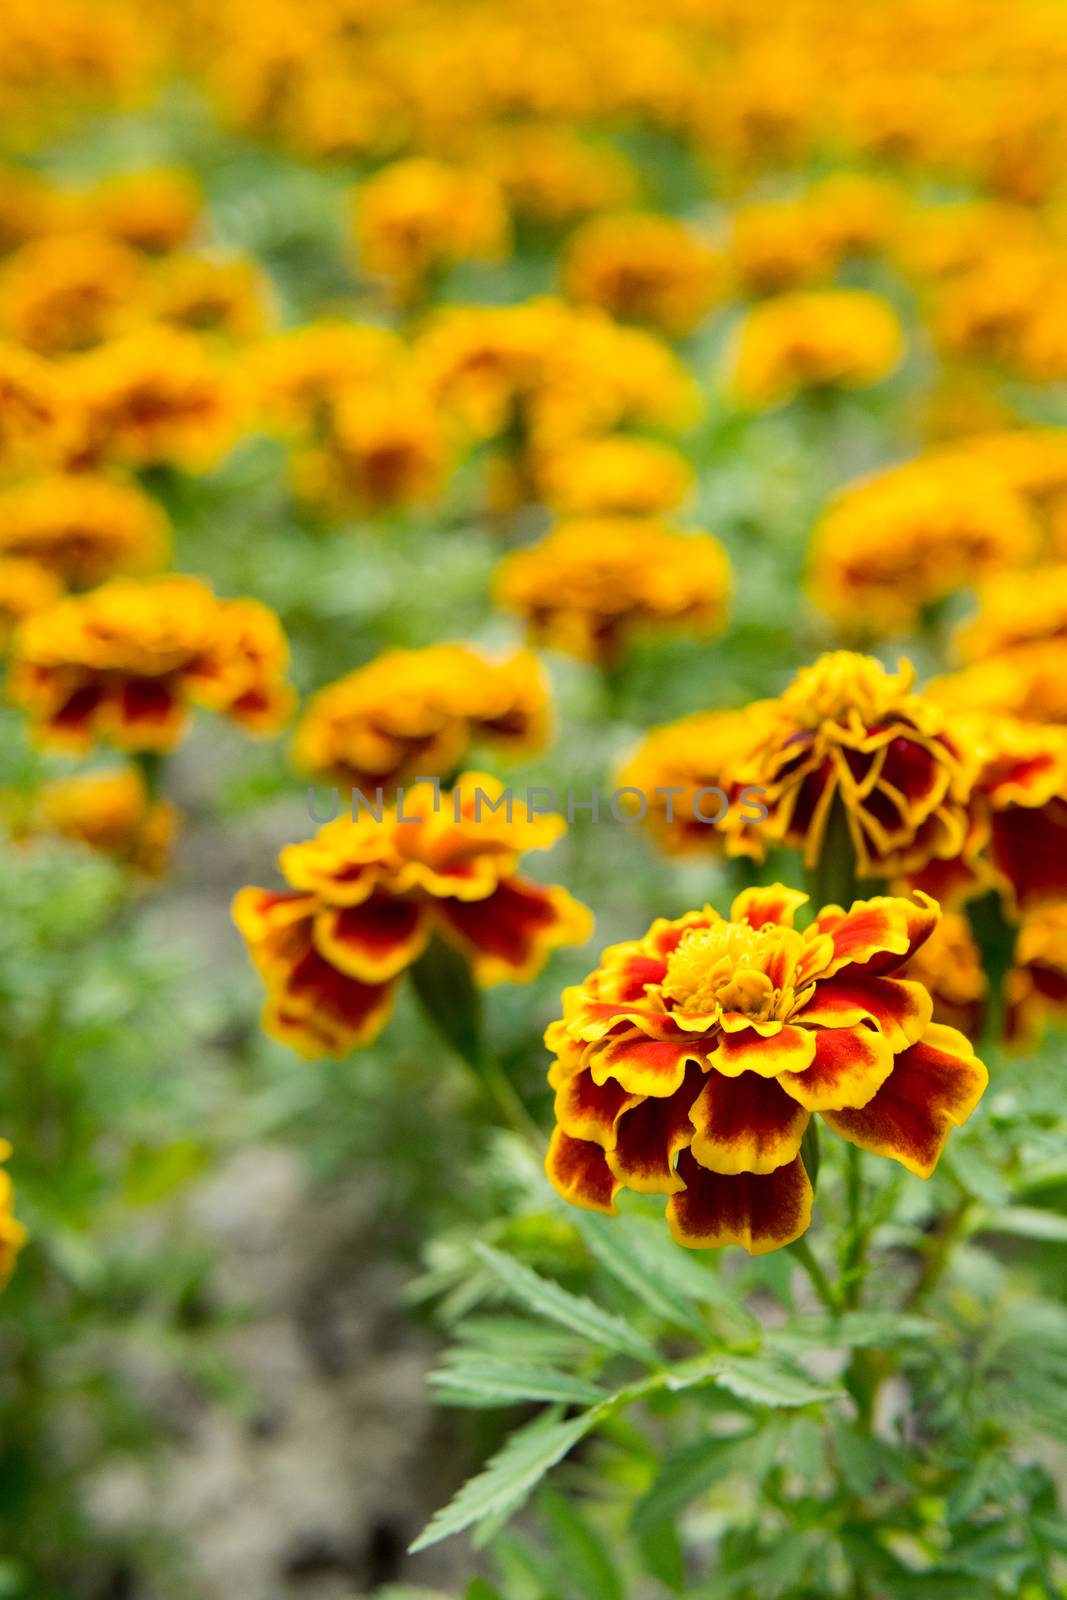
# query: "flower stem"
(832, 880)
(803, 1252)
(995, 937)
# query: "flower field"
(533, 800)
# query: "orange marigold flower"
(205, 294)
(949, 967)
(775, 246)
(940, 240)
(905, 538)
(366, 896)
(83, 528)
(155, 210)
(553, 176)
(110, 813)
(25, 588)
(1036, 986)
(413, 713)
(68, 292)
(125, 662)
(298, 373)
(620, 475)
(676, 767)
(690, 1062)
(157, 396)
(1028, 681)
(855, 213)
(846, 731)
(34, 414)
(383, 446)
(644, 268)
(1018, 609)
(1016, 838)
(839, 338)
(12, 1233)
(418, 217)
(589, 585)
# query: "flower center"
(841, 682)
(732, 967)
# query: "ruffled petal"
(899, 1007)
(319, 1011)
(578, 1171)
(791, 1049)
(649, 1137)
(760, 1211)
(641, 1065)
(588, 1110)
(507, 936)
(934, 1087)
(879, 934)
(849, 1068)
(374, 941)
(746, 1124)
(775, 904)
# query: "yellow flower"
(905, 538)
(25, 588)
(155, 210)
(70, 291)
(35, 416)
(110, 813)
(690, 1063)
(1028, 681)
(644, 268)
(414, 713)
(125, 663)
(775, 246)
(156, 396)
(847, 732)
(855, 213)
(1036, 987)
(589, 585)
(619, 475)
(938, 241)
(297, 374)
(12, 1233)
(365, 897)
(949, 968)
(231, 297)
(1016, 609)
(988, 312)
(418, 217)
(840, 338)
(383, 446)
(83, 528)
(552, 176)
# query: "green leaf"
(555, 1304)
(662, 1555)
(849, 1331)
(613, 1242)
(512, 1474)
(686, 1475)
(478, 1589)
(451, 1000)
(1025, 1222)
(767, 1384)
(585, 1557)
(499, 1383)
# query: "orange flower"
(231, 297)
(155, 210)
(841, 338)
(775, 246)
(949, 967)
(297, 374)
(25, 588)
(418, 217)
(589, 585)
(12, 1233)
(1018, 609)
(644, 268)
(109, 812)
(1036, 987)
(551, 175)
(366, 896)
(82, 528)
(414, 713)
(383, 447)
(620, 475)
(848, 731)
(70, 291)
(690, 1062)
(34, 414)
(125, 662)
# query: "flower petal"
(374, 941)
(641, 1065)
(775, 904)
(590, 1111)
(507, 935)
(791, 1049)
(761, 1211)
(649, 1137)
(578, 1171)
(934, 1087)
(319, 1011)
(900, 1007)
(878, 934)
(849, 1068)
(746, 1124)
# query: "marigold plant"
(833, 338)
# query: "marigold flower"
(69, 292)
(1036, 986)
(83, 528)
(619, 475)
(905, 538)
(644, 268)
(207, 295)
(589, 585)
(848, 731)
(12, 1233)
(690, 1062)
(1018, 609)
(382, 447)
(551, 175)
(298, 373)
(775, 246)
(414, 713)
(366, 896)
(418, 217)
(125, 662)
(34, 415)
(1028, 681)
(155, 210)
(941, 240)
(25, 588)
(949, 967)
(840, 338)
(157, 396)
(855, 213)
(676, 767)
(110, 813)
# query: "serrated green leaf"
(512, 1336)
(510, 1477)
(556, 1304)
(501, 1383)
(850, 1331)
(684, 1476)
(767, 1384)
(614, 1244)
(586, 1559)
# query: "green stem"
(995, 937)
(950, 1229)
(832, 880)
(856, 1237)
(803, 1252)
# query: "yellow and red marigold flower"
(949, 967)
(848, 732)
(1036, 986)
(830, 338)
(12, 1233)
(589, 585)
(125, 662)
(644, 268)
(110, 813)
(82, 527)
(417, 217)
(414, 713)
(690, 1063)
(366, 896)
